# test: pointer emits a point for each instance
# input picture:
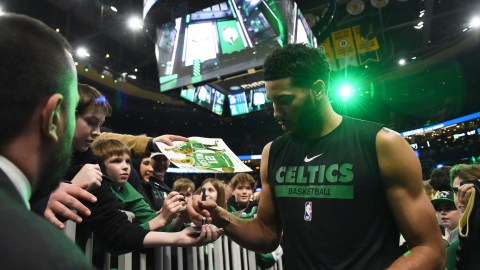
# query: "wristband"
(150, 146)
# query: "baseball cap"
(443, 197)
(156, 154)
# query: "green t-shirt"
(452, 254)
(131, 200)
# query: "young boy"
(116, 157)
(185, 187)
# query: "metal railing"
(223, 254)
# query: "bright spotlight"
(402, 62)
(1, 11)
(114, 9)
(82, 52)
(474, 22)
(345, 91)
(135, 23)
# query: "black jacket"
(29, 241)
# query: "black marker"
(204, 198)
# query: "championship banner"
(364, 45)
(343, 43)
(327, 49)
(203, 155)
(372, 56)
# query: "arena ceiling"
(438, 81)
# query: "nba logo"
(308, 211)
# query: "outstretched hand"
(208, 234)
(64, 201)
(168, 139)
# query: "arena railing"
(223, 254)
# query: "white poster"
(203, 155)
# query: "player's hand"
(64, 200)
(201, 211)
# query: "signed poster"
(203, 155)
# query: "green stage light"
(346, 91)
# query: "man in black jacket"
(38, 83)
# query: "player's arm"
(414, 214)
(261, 234)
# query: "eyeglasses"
(445, 208)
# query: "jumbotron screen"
(245, 102)
(225, 39)
(205, 96)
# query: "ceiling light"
(474, 22)
(402, 62)
(355, 7)
(135, 23)
(106, 73)
(82, 52)
(107, 56)
(419, 25)
(114, 9)
(379, 3)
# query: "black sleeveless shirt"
(332, 201)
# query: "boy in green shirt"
(116, 158)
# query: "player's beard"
(54, 168)
(308, 121)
